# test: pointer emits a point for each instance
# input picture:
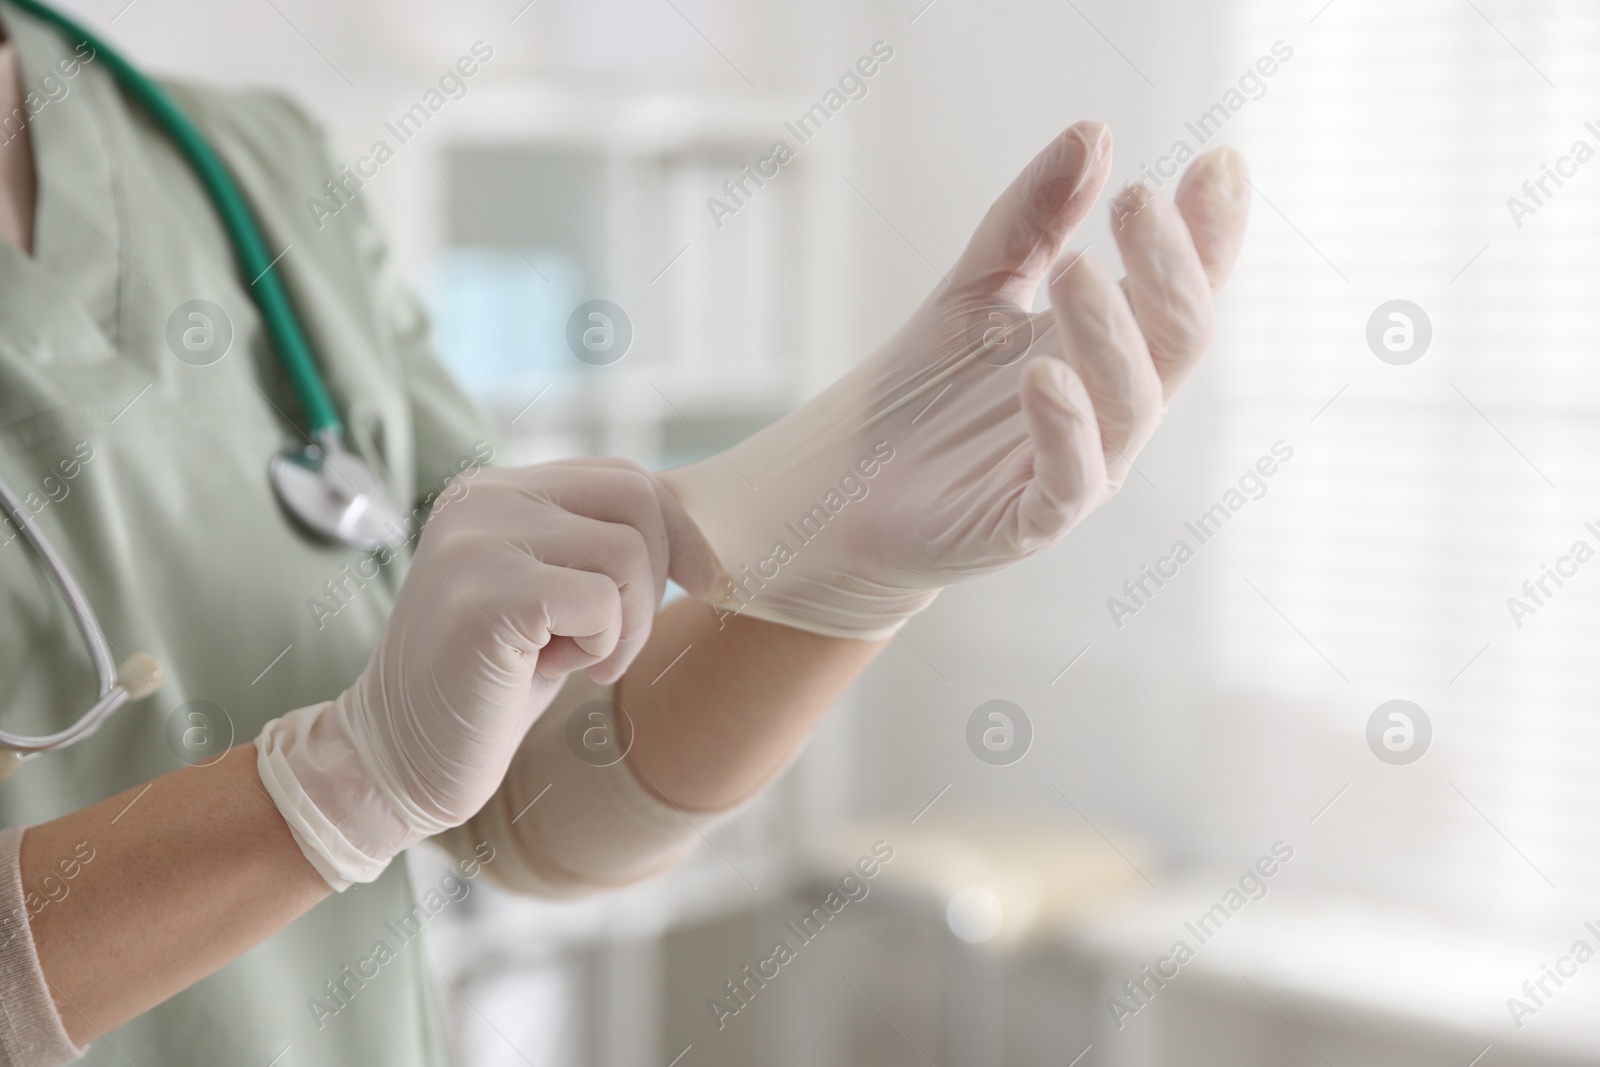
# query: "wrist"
(791, 551)
(312, 768)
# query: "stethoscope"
(330, 489)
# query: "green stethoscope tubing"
(250, 247)
(329, 489)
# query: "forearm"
(188, 872)
(719, 705)
(718, 710)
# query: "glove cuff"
(343, 823)
(788, 565)
(865, 625)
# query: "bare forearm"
(187, 873)
(728, 714)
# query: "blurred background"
(1427, 858)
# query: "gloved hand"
(978, 434)
(533, 573)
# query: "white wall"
(1120, 733)
(972, 93)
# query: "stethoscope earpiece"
(141, 675)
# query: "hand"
(531, 574)
(980, 433)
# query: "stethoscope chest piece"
(336, 494)
(139, 676)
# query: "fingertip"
(1214, 199)
(598, 645)
(1038, 378)
(1079, 155)
(1066, 179)
(1083, 166)
(1067, 460)
(1080, 274)
(1138, 211)
(620, 656)
(563, 655)
(1098, 326)
(1025, 229)
(1133, 197)
(1054, 419)
(1095, 137)
(1048, 380)
(692, 562)
(609, 672)
(1222, 172)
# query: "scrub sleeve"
(30, 1029)
(562, 827)
(31, 1034)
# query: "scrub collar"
(71, 297)
(17, 183)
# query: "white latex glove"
(959, 447)
(534, 573)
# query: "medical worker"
(156, 913)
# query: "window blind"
(1422, 496)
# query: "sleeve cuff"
(563, 828)
(31, 1031)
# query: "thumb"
(691, 561)
(1069, 466)
(1027, 227)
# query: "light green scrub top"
(172, 528)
